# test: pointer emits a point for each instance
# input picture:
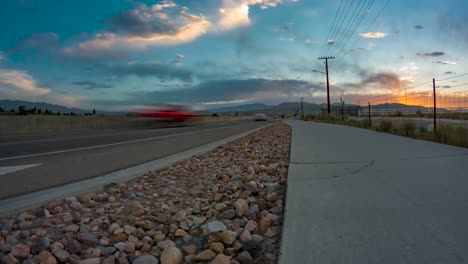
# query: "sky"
(126, 54)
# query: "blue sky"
(122, 54)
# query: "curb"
(15, 205)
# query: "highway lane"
(52, 160)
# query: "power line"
(354, 25)
(358, 38)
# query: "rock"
(228, 214)
(146, 259)
(109, 260)
(129, 247)
(71, 228)
(71, 199)
(112, 228)
(180, 233)
(204, 255)
(248, 187)
(252, 246)
(190, 249)
(88, 238)
(241, 206)
(119, 238)
(25, 225)
(165, 244)
(257, 238)
(108, 251)
(122, 260)
(128, 195)
(90, 261)
(9, 259)
(45, 258)
(100, 198)
(245, 258)
(217, 247)
(221, 259)
(74, 247)
(76, 206)
(266, 221)
(171, 255)
(62, 255)
(227, 237)
(236, 178)
(128, 229)
(162, 218)
(271, 197)
(213, 227)
(251, 226)
(245, 236)
(20, 250)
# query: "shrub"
(385, 126)
(408, 128)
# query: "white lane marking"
(10, 169)
(113, 144)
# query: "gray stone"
(145, 259)
(229, 214)
(212, 227)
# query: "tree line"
(22, 110)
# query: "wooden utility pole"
(435, 105)
(328, 82)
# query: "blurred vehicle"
(170, 113)
(260, 117)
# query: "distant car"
(170, 115)
(260, 117)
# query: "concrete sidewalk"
(358, 196)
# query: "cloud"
(386, 80)
(330, 42)
(20, 85)
(374, 35)
(91, 85)
(418, 27)
(43, 42)
(431, 54)
(235, 13)
(228, 91)
(157, 70)
(446, 62)
(285, 28)
(141, 27)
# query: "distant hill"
(14, 104)
(240, 108)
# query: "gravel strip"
(225, 206)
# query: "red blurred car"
(170, 114)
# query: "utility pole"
(435, 105)
(341, 103)
(328, 82)
(370, 124)
(302, 107)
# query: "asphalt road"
(359, 196)
(37, 162)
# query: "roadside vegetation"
(23, 111)
(456, 135)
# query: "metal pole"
(370, 124)
(302, 107)
(435, 105)
(342, 116)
